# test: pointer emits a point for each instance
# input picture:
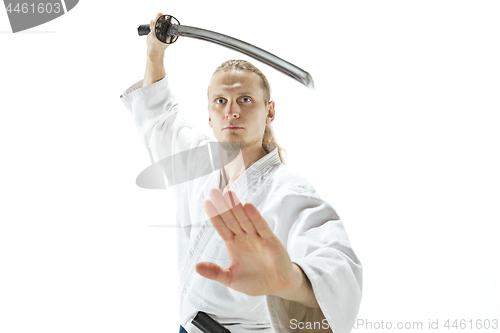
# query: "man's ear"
(270, 113)
(209, 119)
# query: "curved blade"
(238, 45)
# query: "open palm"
(260, 264)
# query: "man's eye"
(219, 100)
(246, 99)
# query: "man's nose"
(233, 110)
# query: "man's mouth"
(233, 128)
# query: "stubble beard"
(236, 139)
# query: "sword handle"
(143, 30)
(206, 324)
(162, 24)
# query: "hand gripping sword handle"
(162, 24)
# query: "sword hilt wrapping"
(143, 30)
(206, 324)
(162, 24)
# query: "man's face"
(236, 99)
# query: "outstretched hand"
(260, 264)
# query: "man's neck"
(243, 161)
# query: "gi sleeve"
(170, 139)
(156, 116)
(318, 243)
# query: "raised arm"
(155, 70)
(154, 109)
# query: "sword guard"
(162, 25)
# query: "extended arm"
(319, 280)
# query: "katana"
(168, 29)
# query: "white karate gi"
(308, 227)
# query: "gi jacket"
(308, 227)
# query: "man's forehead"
(241, 82)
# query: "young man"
(258, 249)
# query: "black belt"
(206, 324)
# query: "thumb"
(213, 272)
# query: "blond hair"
(243, 65)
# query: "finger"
(153, 22)
(231, 199)
(219, 225)
(258, 221)
(238, 211)
(225, 212)
(213, 272)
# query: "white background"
(401, 136)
